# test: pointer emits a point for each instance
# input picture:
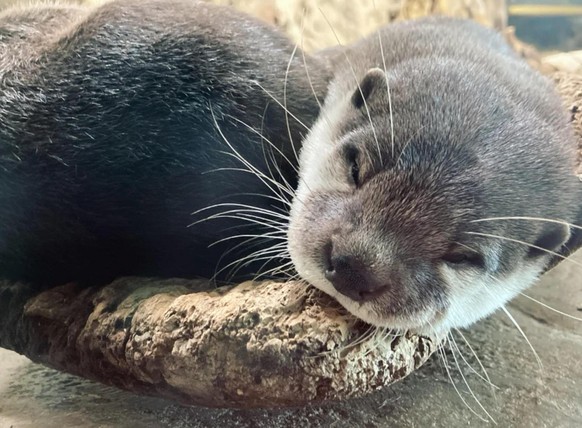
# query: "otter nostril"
(351, 277)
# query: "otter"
(438, 181)
(117, 123)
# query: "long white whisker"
(249, 218)
(465, 379)
(255, 171)
(279, 269)
(271, 156)
(245, 260)
(357, 83)
(256, 82)
(239, 205)
(246, 208)
(272, 235)
(267, 257)
(486, 378)
(550, 308)
(305, 63)
(387, 89)
(441, 352)
(537, 357)
(547, 220)
(260, 175)
(266, 140)
(517, 241)
(285, 102)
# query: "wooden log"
(253, 345)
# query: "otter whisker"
(267, 258)
(383, 335)
(285, 102)
(443, 358)
(250, 218)
(265, 139)
(357, 83)
(245, 208)
(504, 309)
(235, 154)
(270, 159)
(537, 357)
(272, 235)
(275, 208)
(367, 335)
(274, 271)
(486, 379)
(387, 89)
(272, 218)
(548, 220)
(263, 255)
(250, 171)
(517, 241)
(550, 308)
(259, 174)
(248, 243)
(448, 339)
(239, 263)
(268, 223)
(309, 80)
(256, 82)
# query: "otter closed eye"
(445, 139)
(351, 154)
(463, 258)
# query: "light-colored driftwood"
(267, 344)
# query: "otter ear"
(552, 238)
(369, 84)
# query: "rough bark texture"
(254, 345)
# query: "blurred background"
(550, 25)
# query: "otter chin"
(436, 183)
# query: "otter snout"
(352, 276)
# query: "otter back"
(110, 135)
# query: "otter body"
(433, 130)
(113, 124)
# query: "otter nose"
(352, 278)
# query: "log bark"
(252, 345)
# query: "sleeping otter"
(438, 181)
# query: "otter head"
(392, 189)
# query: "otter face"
(385, 222)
